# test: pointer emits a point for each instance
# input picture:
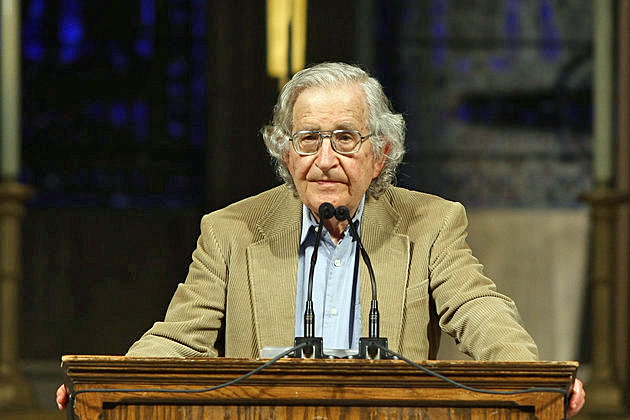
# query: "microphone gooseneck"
(326, 211)
(342, 213)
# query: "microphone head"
(326, 211)
(342, 213)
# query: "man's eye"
(309, 137)
(345, 137)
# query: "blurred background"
(137, 117)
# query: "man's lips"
(326, 182)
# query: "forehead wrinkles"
(330, 108)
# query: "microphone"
(314, 347)
(368, 347)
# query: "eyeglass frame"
(328, 134)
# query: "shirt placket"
(335, 294)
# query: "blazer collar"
(389, 252)
(272, 270)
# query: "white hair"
(385, 125)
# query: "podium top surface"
(90, 369)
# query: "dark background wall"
(141, 116)
(138, 118)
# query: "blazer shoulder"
(413, 212)
(256, 214)
(415, 203)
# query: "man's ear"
(378, 164)
(285, 158)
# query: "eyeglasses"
(345, 142)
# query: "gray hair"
(385, 125)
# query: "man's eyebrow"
(343, 125)
(346, 126)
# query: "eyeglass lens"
(343, 141)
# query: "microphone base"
(314, 348)
(368, 348)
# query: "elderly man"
(334, 138)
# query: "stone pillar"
(14, 390)
(622, 332)
(605, 398)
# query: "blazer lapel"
(389, 253)
(272, 267)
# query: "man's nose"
(326, 156)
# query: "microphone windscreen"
(326, 211)
(342, 213)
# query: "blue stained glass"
(199, 26)
(118, 114)
(499, 64)
(34, 50)
(32, 29)
(463, 65)
(198, 88)
(113, 105)
(68, 54)
(119, 58)
(176, 69)
(36, 9)
(464, 112)
(551, 47)
(198, 53)
(197, 134)
(439, 7)
(438, 56)
(175, 90)
(147, 12)
(70, 30)
(178, 16)
(140, 110)
(176, 129)
(512, 21)
(439, 32)
(145, 47)
(141, 116)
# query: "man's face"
(329, 176)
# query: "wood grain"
(313, 389)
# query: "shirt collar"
(309, 223)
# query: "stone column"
(14, 390)
(622, 332)
(605, 398)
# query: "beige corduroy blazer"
(244, 276)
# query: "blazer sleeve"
(194, 315)
(484, 323)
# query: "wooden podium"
(312, 389)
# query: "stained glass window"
(114, 105)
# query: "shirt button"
(337, 263)
(333, 311)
